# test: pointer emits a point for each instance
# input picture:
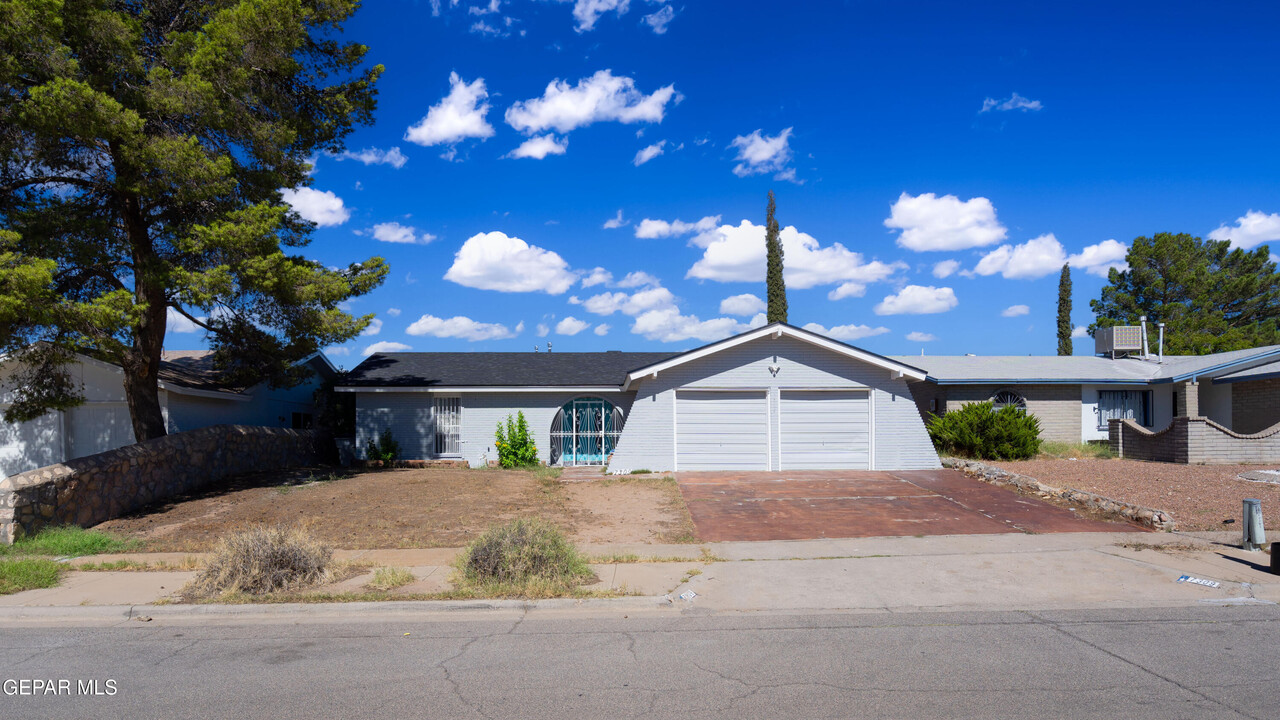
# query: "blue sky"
(934, 165)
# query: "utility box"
(1120, 339)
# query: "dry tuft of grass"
(1061, 450)
(390, 578)
(528, 558)
(262, 560)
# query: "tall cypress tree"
(1064, 311)
(775, 285)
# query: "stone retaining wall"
(1156, 519)
(93, 489)
(1194, 441)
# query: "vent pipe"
(1145, 349)
(1161, 326)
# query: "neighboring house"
(1075, 396)
(191, 397)
(774, 398)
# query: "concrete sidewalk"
(964, 572)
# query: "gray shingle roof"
(1080, 368)
(498, 369)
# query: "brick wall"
(1194, 440)
(93, 489)
(1255, 405)
(1058, 407)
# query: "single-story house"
(191, 397)
(773, 398)
(1075, 397)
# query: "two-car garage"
(734, 429)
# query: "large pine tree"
(1064, 312)
(1212, 298)
(143, 149)
(775, 284)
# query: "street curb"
(73, 613)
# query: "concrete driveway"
(806, 505)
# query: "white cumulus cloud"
(494, 261)
(601, 330)
(660, 18)
(1079, 331)
(460, 327)
(571, 326)
(1015, 311)
(394, 232)
(321, 207)
(460, 115)
(669, 325)
(946, 268)
(373, 328)
(1099, 259)
(599, 98)
(916, 336)
(759, 154)
(744, 305)
(393, 312)
(385, 346)
(638, 278)
(918, 300)
(649, 229)
(1251, 230)
(375, 156)
(176, 322)
(929, 222)
(542, 330)
(649, 152)
(540, 146)
(597, 276)
(1015, 102)
(632, 304)
(587, 12)
(737, 254)
(1035, 258)
(615, 222)
(846, 332)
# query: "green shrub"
(386, 450)
(515, 447)
(526, 557)
(262, 560)
(28, 573)
(980, 431)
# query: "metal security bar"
(447, 413)
(584, 432)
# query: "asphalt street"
(1198, 662)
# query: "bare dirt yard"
(423, 507)
(1200, 497)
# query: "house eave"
(456, 389)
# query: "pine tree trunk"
(141, 364)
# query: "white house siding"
(408, 416)
(899, 443)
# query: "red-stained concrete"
(814, 504)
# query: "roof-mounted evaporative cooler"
(1118, 340)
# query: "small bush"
(388, 578)
(262, 560)
(385, 451)
(980, 431)
(527, 558)
(515, 447)
(64, 540)
(28, 573)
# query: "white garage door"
(98, 427)
(722, 430)
(822, 430)
(29, 445)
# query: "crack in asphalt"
(454, 686)
(1057, 628)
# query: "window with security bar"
(1124, 405)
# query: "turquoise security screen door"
(585, 432)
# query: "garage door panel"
(722, 431)
(824, 430)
